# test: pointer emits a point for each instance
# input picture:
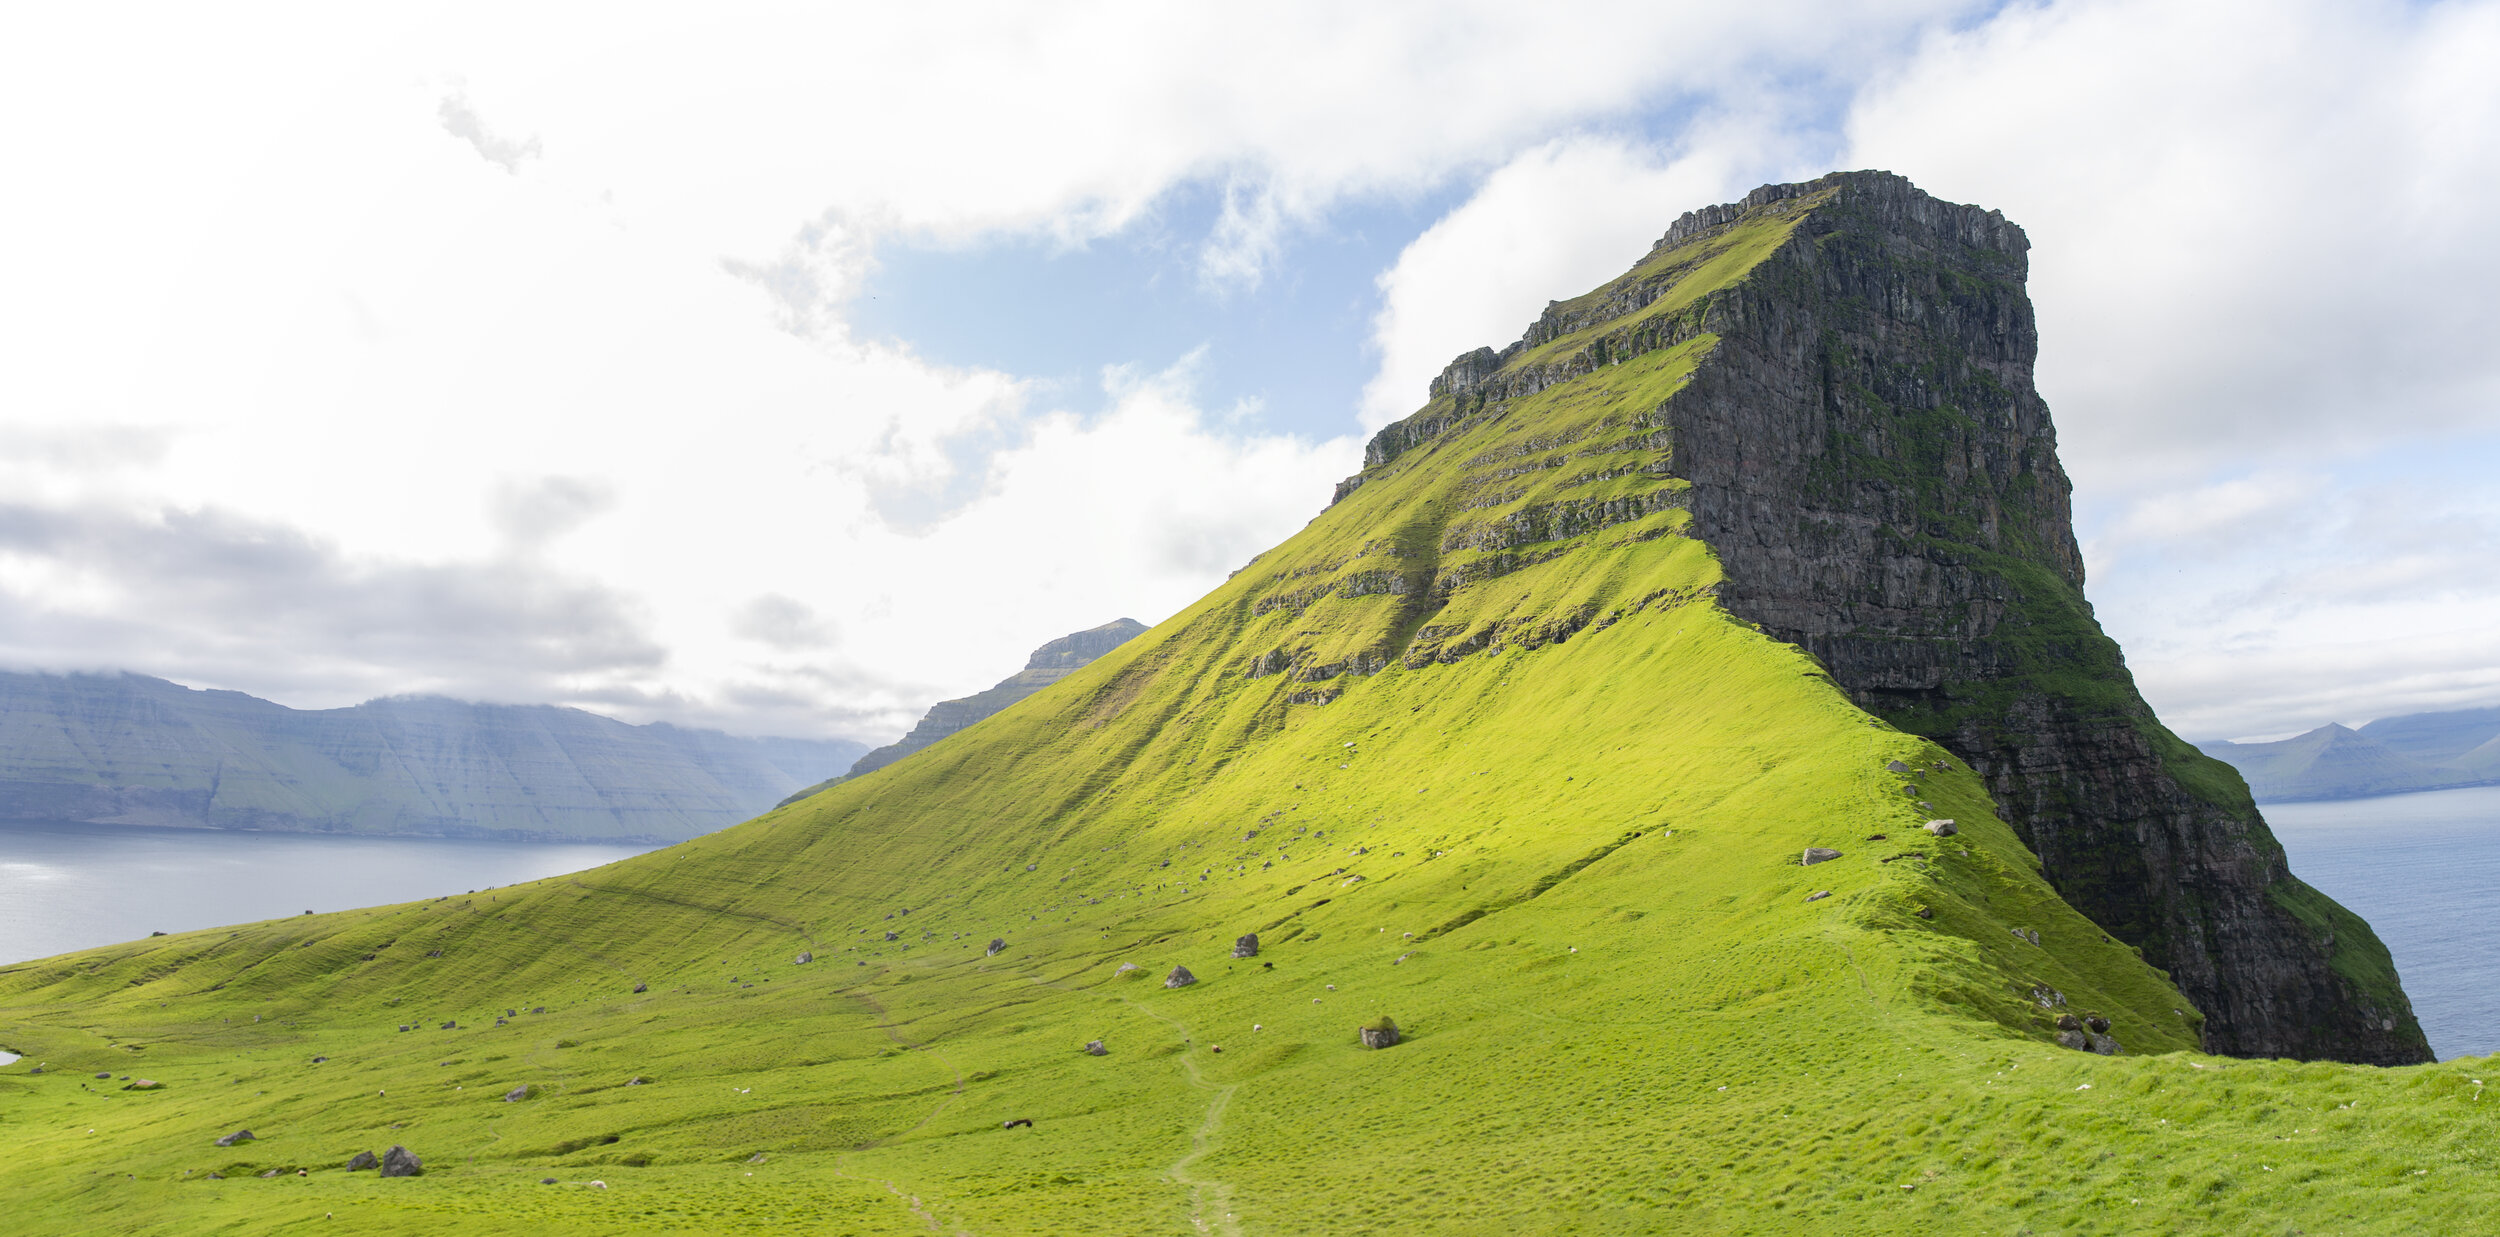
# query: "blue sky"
(784, 369)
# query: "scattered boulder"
(1179, 978)
(2074, 1040)
(1382, 1033)
(636, 1081)
(453, 1025)
(144, 1084)
(1925, 912)
(641, 988)
(363, 1160)
(996, 944)
(1819, 895)
(108, 1074)
(538, 1009)
(239, 1136)
(1026, 1122)
(546, 1181)
(1094, 1048)
(2026, 934)
(401, 1162)
(271, 1173)
(1895, 766)
(1819, 854)
(1247, 946)
(405, 1027)
(803, 959)
(892, 937)
(2103, 1044)
(2096, 1024)
(2068, 1022)
(1942, 828)
(517, 1094)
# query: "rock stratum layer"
(1870, 460)
(131, 750)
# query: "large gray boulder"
(1380, 1034)
(239, 1136)
(401, 1162)
(1179, 978)
(1819, 854)
(362, 1161)
(1247, 946)
(996, 944)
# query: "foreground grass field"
(1548, 816)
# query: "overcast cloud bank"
(507, 357)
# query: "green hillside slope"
(1476, 751)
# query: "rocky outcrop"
(1862, 446)
(1879, 477)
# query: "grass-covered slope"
(1475, 751)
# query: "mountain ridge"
(130, 749)
(2392, 755)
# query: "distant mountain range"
(1049, 664)
(2419, 751)
(127, 749)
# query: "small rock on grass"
(1942, 828)
(239, 1136)
(1382, 1033)
(1247, 946)
(362, 1161)
(1819, 854)
(641, 988)
(996, 944)
(144, 1084)
(401, 1162)
(517, 1094)
(1179, 978)
(1818, 895)
(1095, 1048)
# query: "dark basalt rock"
(363, 1160)
(1179, 978)
(1871, 462)
(401, 1162)
(995, 946)
(1247, 946)
(1094, 1048)
(1380, 1034)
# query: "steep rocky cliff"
(1869, 459)
(126, 749)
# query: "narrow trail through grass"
(842, 1160)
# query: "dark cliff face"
(1880, 480)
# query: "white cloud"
(570, 342)
(2259, 226)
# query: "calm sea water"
(2424, 869)
(72, 886)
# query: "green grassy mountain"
(1482, 750)
(128, 749)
